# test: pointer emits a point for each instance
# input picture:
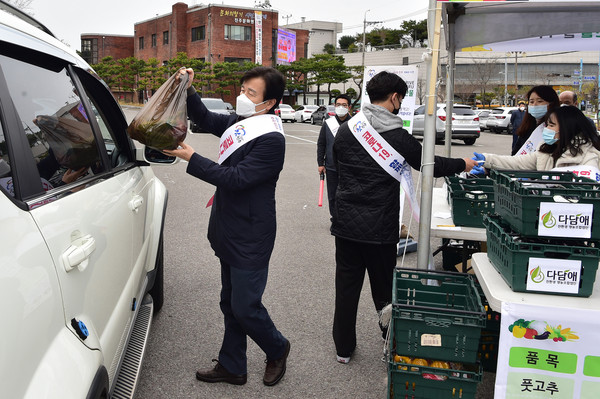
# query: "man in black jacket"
(242, 223)
(366, 220)
(325, 146)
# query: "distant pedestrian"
(515, 121)
(325, 146)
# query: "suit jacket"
(242, 223)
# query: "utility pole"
(516, 83)
(287, 17)
(506, 82)
(364, 40)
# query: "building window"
(166, 37)
(237, 60)
(141, 45)
(198, 33)
(153, 38)
(237, 32)
(405, 61)
(89, 50)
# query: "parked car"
(286, 113)
(322, 113)
(213, 104)
(483, 115)
(304, 112)
(229, 108)
(499, 120)
(465, 123)
(82, 218)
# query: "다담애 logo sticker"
(553, 275)
(559, 219)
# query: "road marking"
(300, 138)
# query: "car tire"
(157, 291)
(470, 141)
(312, 120)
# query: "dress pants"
(331, 176)
(352, 259)
(245, 315)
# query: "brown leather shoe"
(276, 368)
(220, 374)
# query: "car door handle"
(136, 202)
(78, 254)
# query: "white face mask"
(522, 108)
(245, 107)
(341, 111)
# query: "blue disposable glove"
(479, 157)
(478, 170)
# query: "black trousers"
(352, 259)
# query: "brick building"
(212, 33)
(95, 46)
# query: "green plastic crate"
(509, 253)
(492, 322)
(488, 351)
(469, 200)
(406, 381)
(441, 320)
(518, 199)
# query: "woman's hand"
(184, 152)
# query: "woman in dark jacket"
(542, 101)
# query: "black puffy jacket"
(367, 197)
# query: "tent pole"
(450, 68)
(427, 161)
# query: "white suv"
(465, 123)
(81, 264)
(499, 119)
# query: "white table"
(497, 291)
(444, 227)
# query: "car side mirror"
(154, 156)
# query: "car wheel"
(470, 141)
(157, 291)
(312, 120)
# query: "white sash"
(333, 125)
(533, 141)
(386, 156)
(245, 131)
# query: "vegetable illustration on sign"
(524, 329)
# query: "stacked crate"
(544, 238)
(470, 200)
(437, 318)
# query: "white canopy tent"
(468, 24)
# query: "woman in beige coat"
(569, 139)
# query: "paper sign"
(553, 275)
(565, 220)
(431, 340)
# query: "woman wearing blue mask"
(541, 101)
(569, 140)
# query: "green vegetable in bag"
(162, 123)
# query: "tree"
(357, 77)
(351, 92)
(328, 69)
(480, 73)
(329, 48)
(413, 32)
(346, 41)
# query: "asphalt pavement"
(187, 333)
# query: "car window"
(54, 121)
(420, 110)
(300, 108)
(6, 181)
(462, 111)
(213, 104)
(497, 111)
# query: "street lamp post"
(364, 42)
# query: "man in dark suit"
(242, 223)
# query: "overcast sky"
(69, 19)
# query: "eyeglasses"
(341, 105)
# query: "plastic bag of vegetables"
(162, 123)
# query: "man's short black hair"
(574, 98)
(274, 83)
(343, 97)
(383, 84)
